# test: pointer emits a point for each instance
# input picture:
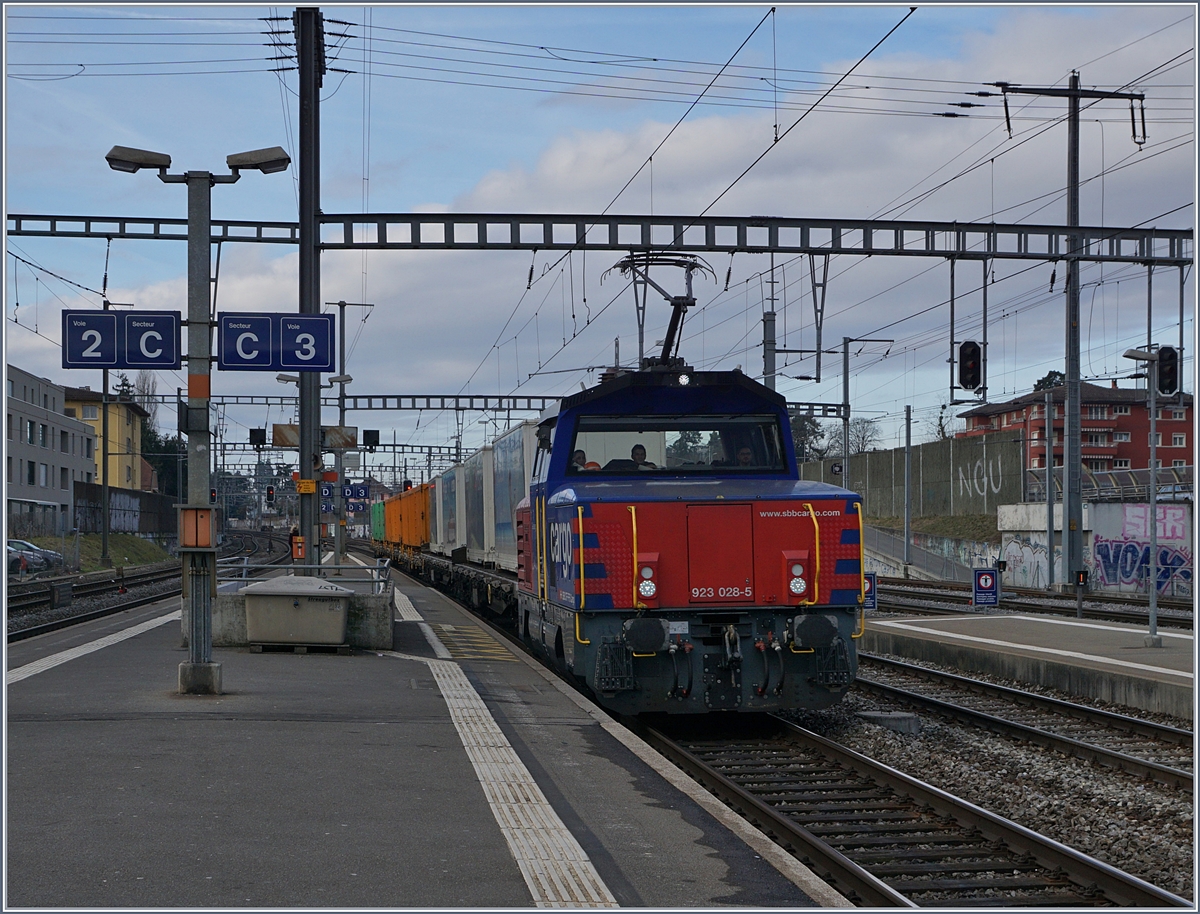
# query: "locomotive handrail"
(862, 575)
(816, 554)
(637, 604)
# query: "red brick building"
(1115, 427)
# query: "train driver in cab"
(638, 455)
(745, 456)
(578, 461)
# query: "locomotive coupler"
(733, 651)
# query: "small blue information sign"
(326, 507)
(869, 600)
(251, 341)
(356, 491)
(130, 339)
(327, 490)
(987, 587)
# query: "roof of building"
(1088, 393)
(88, 395)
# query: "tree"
(1053, 379)
(808, 437)
(145, 393)
(942, 426)
(864, 435)
(684, 448)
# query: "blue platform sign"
(987, 587)
(326, 507)
(130, 339)
(250, 341)
(356, 491)
(327, 490)
(869, 599)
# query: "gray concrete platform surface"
(447, 772)
(1102, 660)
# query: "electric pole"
(1073, 443)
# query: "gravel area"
(82, 605)
(1138, 826)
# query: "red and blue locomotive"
(669, 556)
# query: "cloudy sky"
(548, 108)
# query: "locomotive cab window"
(678, 444)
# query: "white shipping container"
(477, 502)
(512, 460)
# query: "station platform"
(1102, 660)
(448, 772)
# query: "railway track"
(900, 595)
(885, 839)
(1139, 747)
(245, 545)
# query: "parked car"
(17, 562)
(44, 558)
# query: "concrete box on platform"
(368, 621)
(296, 610)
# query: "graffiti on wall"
(1026, 558)
(977, 478)
(1128, 562)
(1172, 522)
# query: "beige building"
(125, 464)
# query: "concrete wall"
(954, 476)
(368, 621)
(1116, 546)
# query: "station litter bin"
(296, 610)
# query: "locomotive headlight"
(797, 569)
(647, 588)
(685, 380)
(647, 572)
(797, 585)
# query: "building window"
(43, 472)
(129, 474)
(31, 432)
(69, 412)
(1179, 414)
(10, 427)
(1178, 440)
(1121, 463)
(128, 445)
(10, 388)
(64, 442)
(91, 452)
(1122, 410)
(43, 436)
(90, 412)
(45, 401)
(1097, 466)
(10, 475)
(30, 473)
(1097, 439)
(1121, 436)
(1097, 412)
(89, 477)
(128, 416)
(1157, 439)
(64, 478)
(1178, 463)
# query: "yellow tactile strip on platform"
(555, 868)
(471, 643)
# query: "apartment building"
(125, 419)
(46, 452)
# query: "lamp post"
(198, 674)
(1150, 357)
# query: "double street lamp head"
(269, 161)
(128, 159)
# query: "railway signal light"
(212, 496)
(1168, 370)
(970, 365)
(270, 495)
